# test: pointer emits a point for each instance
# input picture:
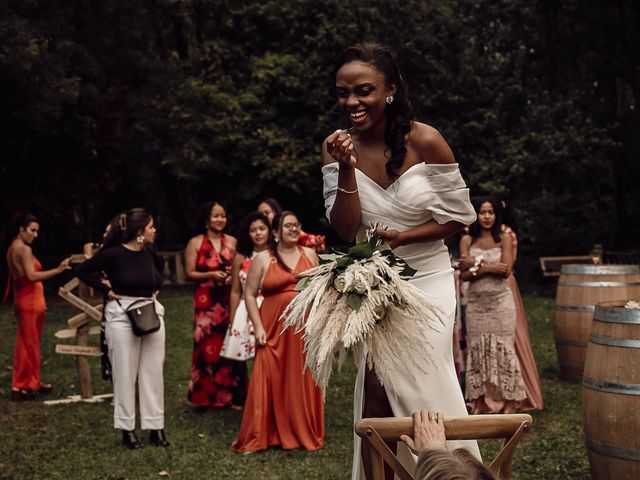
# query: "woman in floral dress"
(215, 381)
(253, 237)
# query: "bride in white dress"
(391, 169)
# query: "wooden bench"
(551, 266)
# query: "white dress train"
(422, 193)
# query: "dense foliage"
(166, 103)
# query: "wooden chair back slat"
(511, 427)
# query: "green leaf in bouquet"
(302, 284)
(361, 250)
(354, 300)
(382, 248)
(342, 262)
(407, 271)
(329, 257)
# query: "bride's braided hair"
(399, 114)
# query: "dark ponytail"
(127, 226)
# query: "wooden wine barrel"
(611, 392)
(580, 287)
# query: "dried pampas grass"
(394, 321)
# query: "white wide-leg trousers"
(134, 359)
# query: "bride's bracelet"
(347, 191)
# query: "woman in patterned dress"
(494, 378)
(215, 381)
(253, 237)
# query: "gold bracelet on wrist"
(347, 191)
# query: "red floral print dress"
(215, 381)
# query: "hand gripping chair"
(511, 427)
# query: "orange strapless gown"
(284, 406)
(30, 308)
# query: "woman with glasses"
(284, 406)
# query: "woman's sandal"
(20, 395)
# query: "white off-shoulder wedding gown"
(423, 192)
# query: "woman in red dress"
(215, 381)
(28, 300)
(284, 406)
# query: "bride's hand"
(390, 237)
(340, 147)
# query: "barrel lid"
(615, 312)
(581, 269)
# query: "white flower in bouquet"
(375, 275)
(362, 279)
(340, 283)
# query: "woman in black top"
(132, 273)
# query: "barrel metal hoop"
(614, 342)
(574, 269)
(569, 283)
(617, 315)
(612, 451)
(571, 343)
(575, 308)
(610, 387)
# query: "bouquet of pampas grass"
(363, 299)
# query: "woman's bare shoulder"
(429, 144)
(195, 241)
(233, 241)
(466, 240)
(261, 257)
(310, 253)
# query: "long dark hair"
(127, 226)
(274, 204)
(245, 245)
(22, 221)
(273, 242)
(399, 114)
(474, 229)
(204, 212)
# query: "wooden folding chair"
(511, 427)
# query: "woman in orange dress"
(284, 406)
(29, 305)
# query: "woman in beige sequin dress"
(494, 378)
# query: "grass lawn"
(77, 441)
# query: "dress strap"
(8, 290)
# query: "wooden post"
(180, 277)
(80, 329)
(82, 363)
